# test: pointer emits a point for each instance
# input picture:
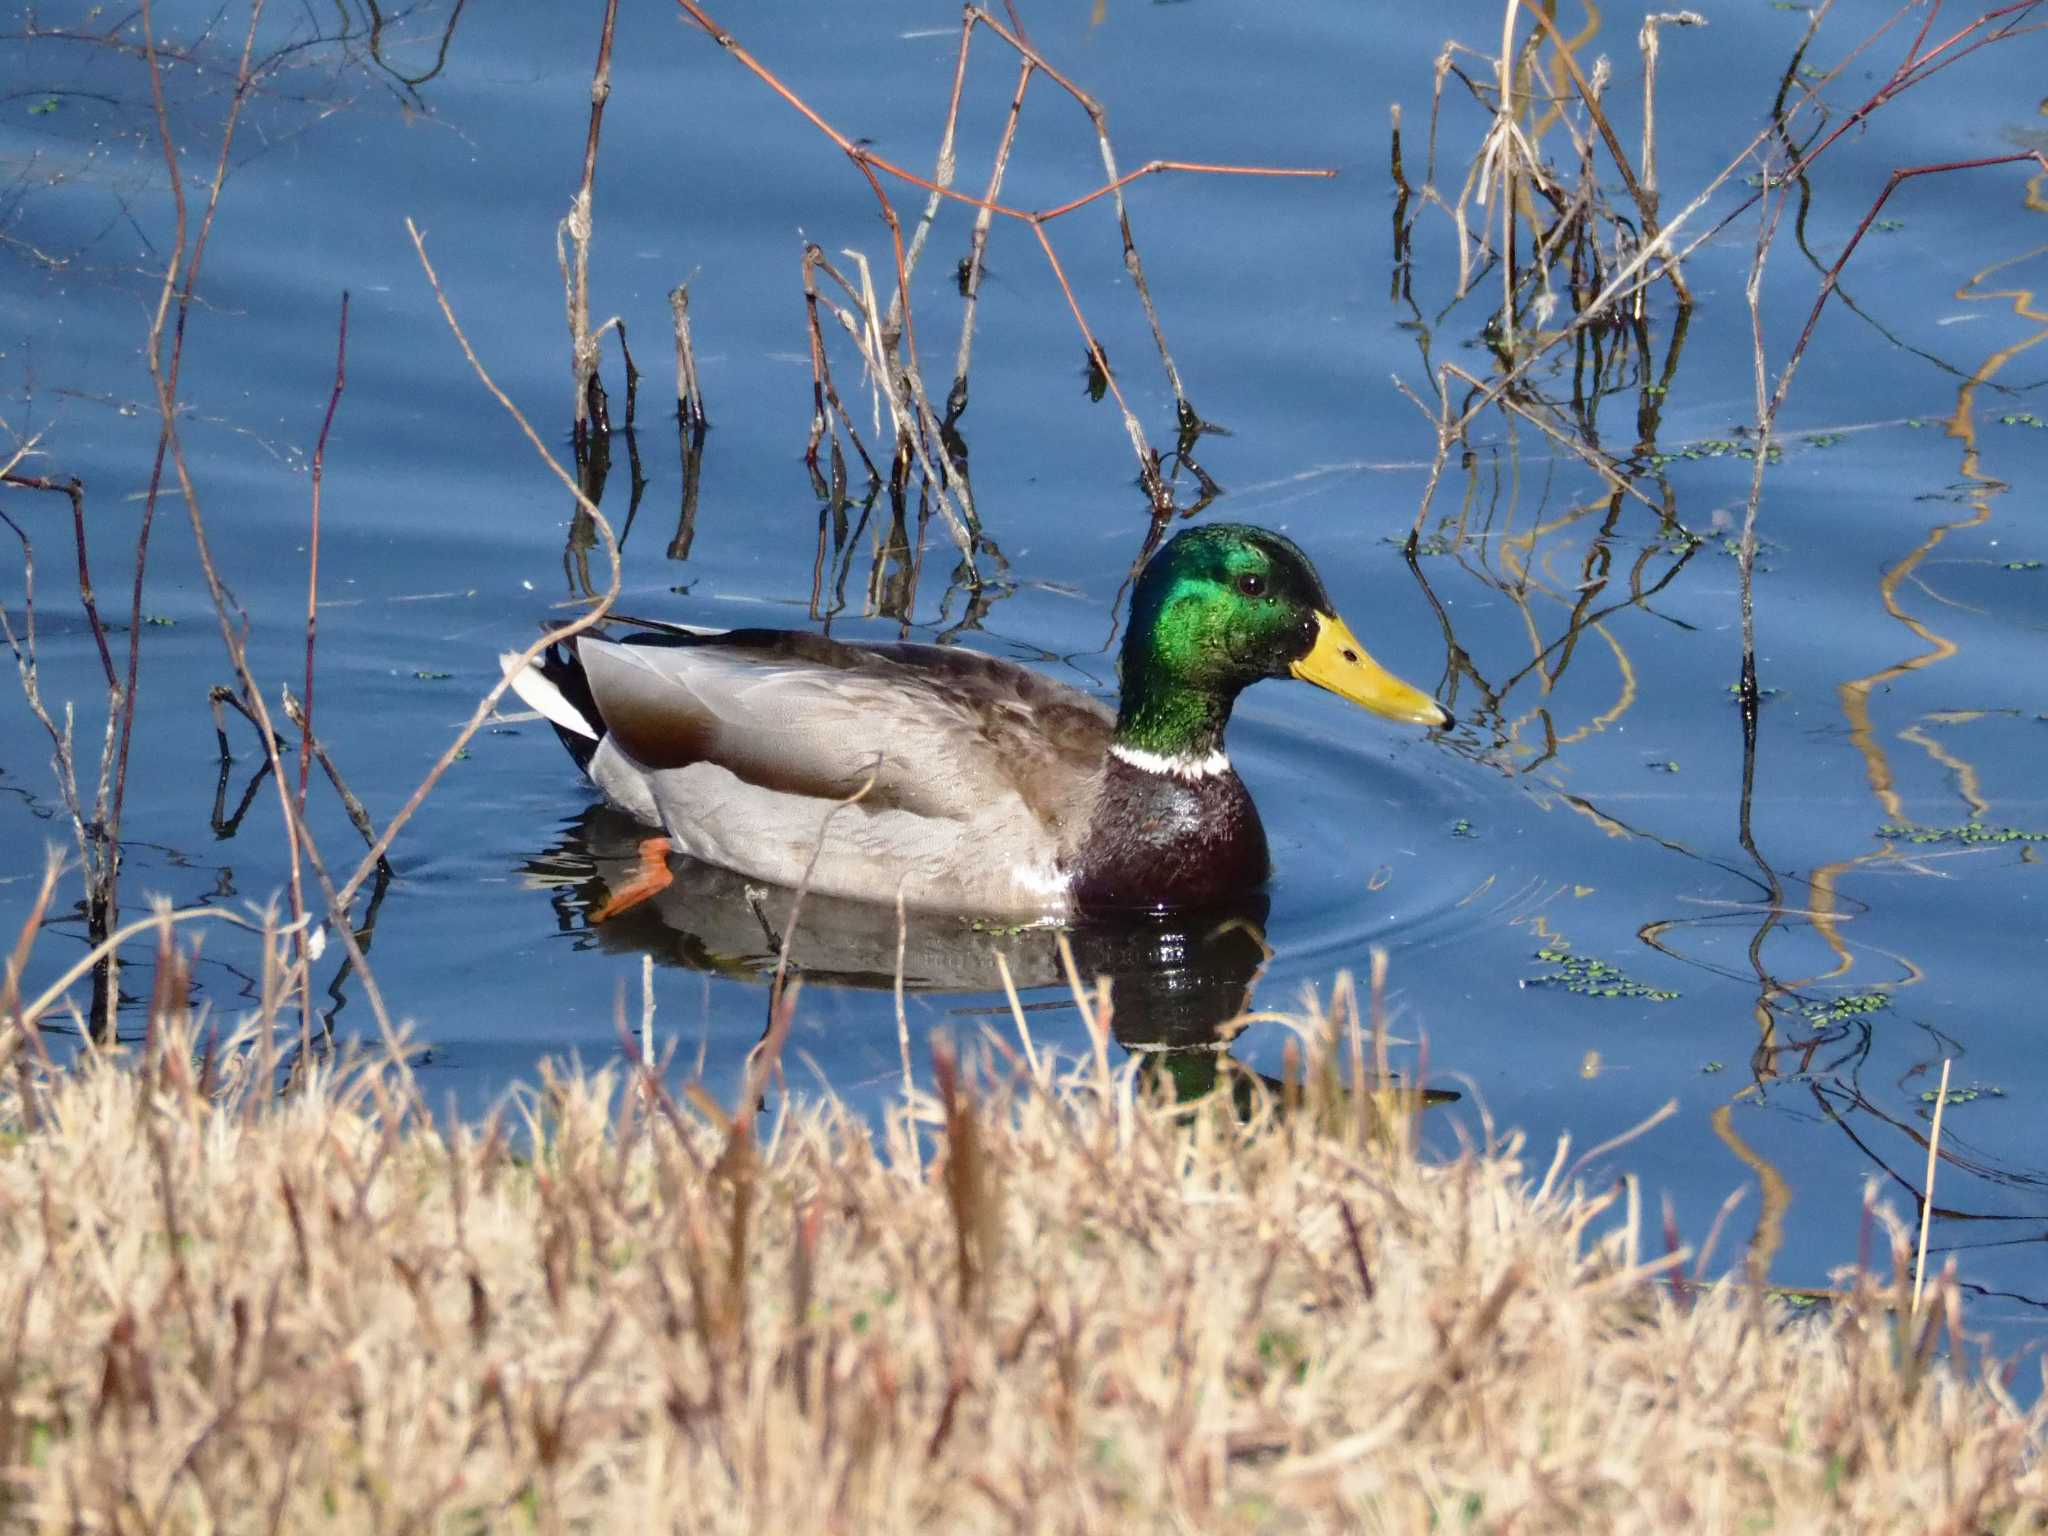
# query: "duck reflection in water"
(1181, 982)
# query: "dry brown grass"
(1034, 1302)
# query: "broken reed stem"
(917, 429)
(977, 243)
(1916, 67)
(942, 177)
(73, 488)
(23, 646)
(828, 411)
(691, 446)
(578, 226)
(97, 853)
(1609, 469)
(1646, 205)
(1767, 404)
(1927, 1188)
(689, 391)
(868, 164)
(359, 818)
(359, 962)
(1650, 41)
(218, 695)
(617, 325)
(313, 551)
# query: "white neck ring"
(1178, 765)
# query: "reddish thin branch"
(1833, 275)
(74, 488)
(313, 547)
(1916, 67)
(1101, 362)
(870, 163)
(170, 370)
(1152, 168)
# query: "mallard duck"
(964, 782)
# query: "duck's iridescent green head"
(1217, 609)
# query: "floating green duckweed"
(1591, 978)
(1854, 1005)
(1969, 833)
(2023, 565)
(1962, 1095)
(1716, 448)
(1462, 828)
(1731, 546)
(2022, 419)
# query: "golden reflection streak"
(1769, 1236)
(1623, 702)
(1855, 694)
(1967, 783)
(1827, 911)
(1560, 76)
(1598, 817)
(1948, 602)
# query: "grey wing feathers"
(938, 740)
(983, 772)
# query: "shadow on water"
(1180, 984)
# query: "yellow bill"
(1339, 663)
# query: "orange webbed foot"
(653, 877)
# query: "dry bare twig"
(869, 163)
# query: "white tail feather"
(532, 685)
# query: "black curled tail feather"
(560, 665)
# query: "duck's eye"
(1251, 584)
